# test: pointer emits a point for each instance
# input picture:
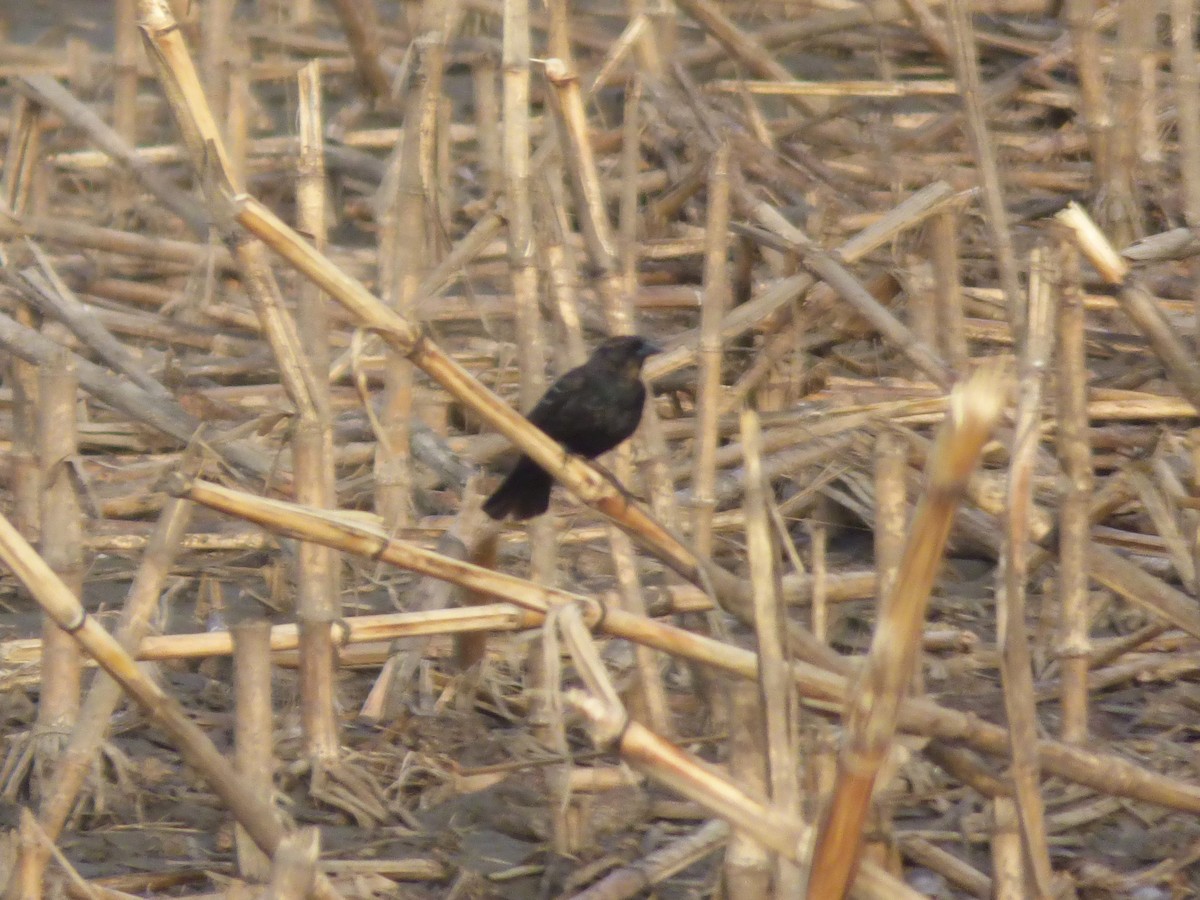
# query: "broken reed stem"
(872, 714)
(1178, 360)
(1016, 666)
(62, 549)
(1075, 456)
(192, 743)
(692, 778)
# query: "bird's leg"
(615, 482)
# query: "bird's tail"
(525, 493)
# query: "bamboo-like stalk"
(871, 716)
(196, 748)
(1075, 455)
(776, 691)
(318, 594)
(1015, 663)
(62, 548)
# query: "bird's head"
(625, 353)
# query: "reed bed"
(892, 595)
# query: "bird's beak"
(648, 349)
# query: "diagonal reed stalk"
(873, 710)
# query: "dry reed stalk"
(948, 300)
(826, 267)
(62, 548)
(877, 89)
(966, 71)
(104, 694)
(776, 692)
(160, 414)
(216, 49)
(1075, 456)
(872, 715)
(746, 868)
(1120, 211)
(295, 865)
(948, 865)
(407, 201)
(125, 89)
(193, 744)
(891, 518)
(111, 240)
(1163, 517)
(318, 594)
(46, 292)
(1015, 661)
(710, 355)
(1177, 359)
(487, 123)
(116, 144)
(313, 435)
(818, 533)
(632, 879)
(1008, 865)
(909, 213)
(824, 689)
(778, 831)
(253, 725)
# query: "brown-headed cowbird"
(589, 410)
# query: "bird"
(589, 410)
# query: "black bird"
(589, 410)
